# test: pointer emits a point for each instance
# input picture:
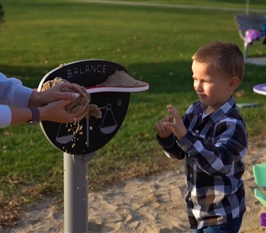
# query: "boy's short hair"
(226, 57)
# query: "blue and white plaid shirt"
(213, 148)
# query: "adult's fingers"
(67, 96)
(74, 86)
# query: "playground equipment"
(79, 148)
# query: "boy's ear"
(234, 83)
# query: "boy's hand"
(174, 124)
(162, 131)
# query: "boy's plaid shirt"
(213, 148)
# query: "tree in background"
(1, 13)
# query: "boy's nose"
(197, 86)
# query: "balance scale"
(78, 149)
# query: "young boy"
(212, 139)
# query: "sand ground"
(153, 204)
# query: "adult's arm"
(54, 111)
(16, 98)
(13, 93)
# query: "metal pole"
(76, 193)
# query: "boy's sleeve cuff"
(166, 142)
(187, 142)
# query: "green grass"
(154, 44)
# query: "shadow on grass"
(162, 77)
(30, 76)
(168, 77)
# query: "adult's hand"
(55, 111)
(55, 93)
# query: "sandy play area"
(145, 205)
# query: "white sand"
(146, 205)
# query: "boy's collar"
(221, 111)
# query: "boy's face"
(212, 88)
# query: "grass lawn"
(154, 44)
